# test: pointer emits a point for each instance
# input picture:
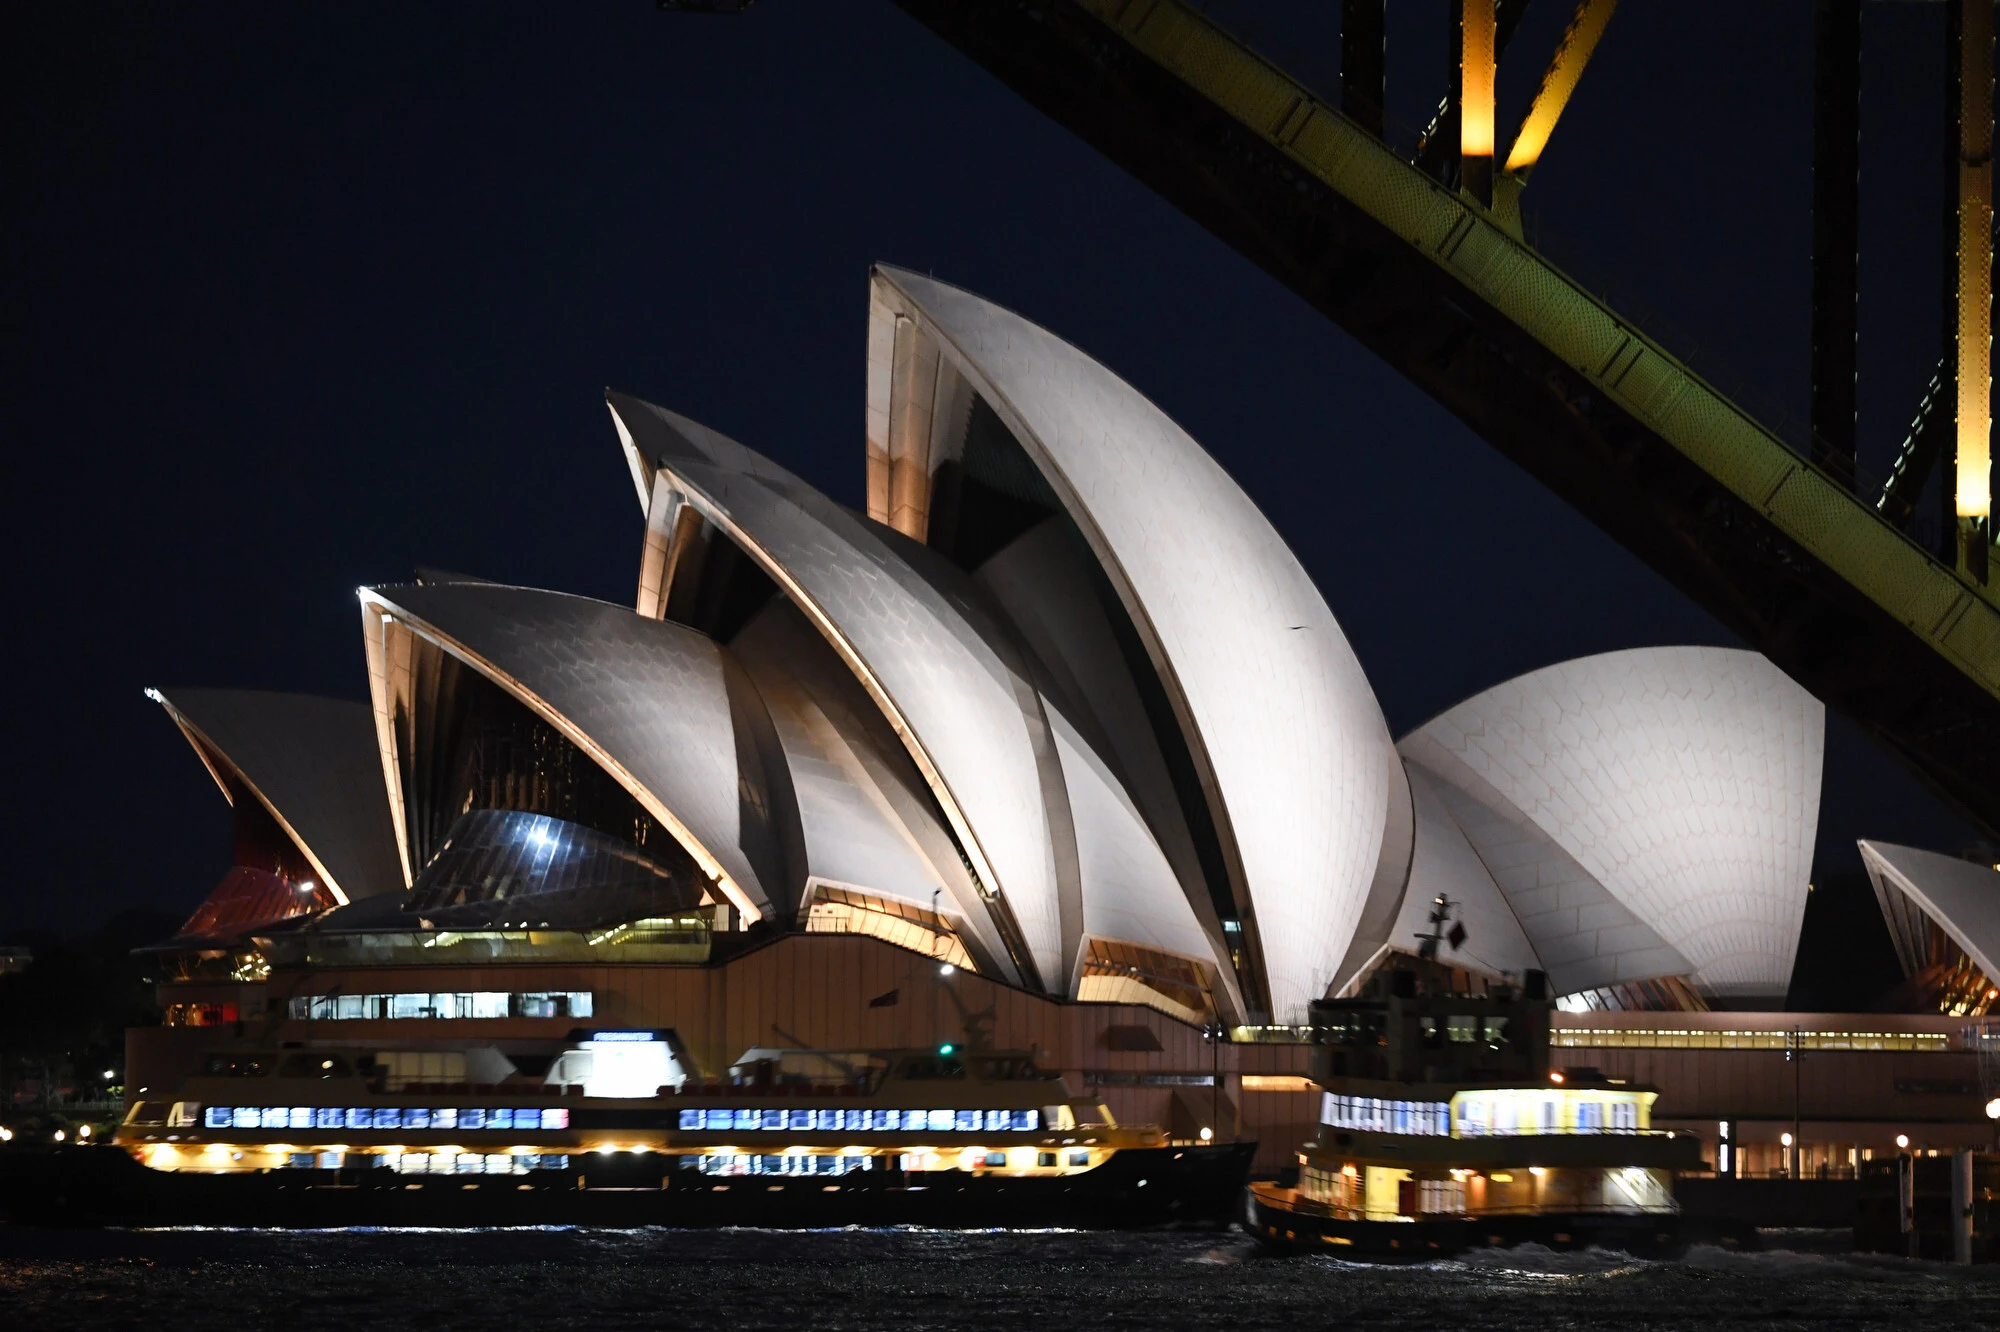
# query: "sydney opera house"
(1057, 743)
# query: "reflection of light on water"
(353, 1230)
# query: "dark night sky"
(298, 296)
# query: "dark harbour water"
(524, 1280)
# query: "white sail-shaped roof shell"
(1141, 879)
(649, 701)
(869, 821)
(1276, 710)
(312, 763)
(1445, 864)
(1583, 936)
(1684, 781)
(1129, 891)
(1960, 897)
(969, 716)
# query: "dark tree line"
(63, 1019)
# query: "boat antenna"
(1428, 941)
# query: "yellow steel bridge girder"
(1958, 619)
(1559, 84)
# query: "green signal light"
(946, 1048)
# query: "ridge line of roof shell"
(311, 762)
(960, 708)
(1963, 898)
(1275, 706)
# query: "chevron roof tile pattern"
(1685, 781)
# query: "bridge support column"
(1970, 236)
(1478, 65)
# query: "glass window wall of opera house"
(1053, 758)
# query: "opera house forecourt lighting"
(1031, 795)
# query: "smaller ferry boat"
(790, 1138)
(1442, 1127)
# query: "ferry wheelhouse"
(1443, 1126)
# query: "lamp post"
(1795, 1056)
(1212, 1033)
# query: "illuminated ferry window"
(863, 1121)
(1378, 1115)
(793, 1163)
(475, 1163)
(1079, 1158)
(1514, 1111)
(456, 1005)
(1659, 1039)
(476, 1118)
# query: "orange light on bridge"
(1478, 57)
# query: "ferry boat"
(1443, 1127)
(790, 1138)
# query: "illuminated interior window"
(1663, 994)
(1124, 973)
(844, 911)
(248, 896)
(198, 1015)
(455, 1005)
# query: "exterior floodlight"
(1785, 1139)
(1555, 1077)
(1207, 1134)
(108, 1075)
(1993, 1108)
(83, 1131)
(1903, 1141)
(59, 1135)
(946, 969)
